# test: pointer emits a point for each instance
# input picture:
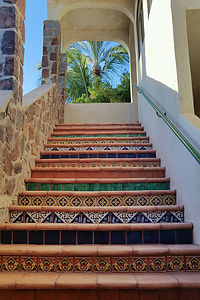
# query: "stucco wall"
(164, 74)
(99, 113)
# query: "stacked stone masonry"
(23, 131)
(51, 52)
(12, 37)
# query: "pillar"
(12, 37)
(51, 51)
(62, 75)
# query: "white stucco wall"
(99, 113)
(161, 76)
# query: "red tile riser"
(155, 173)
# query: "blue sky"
(35, 15)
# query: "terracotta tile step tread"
(88, 131)
(98, 139)
(104, 193)
(100, 134)
(98, 172)
(85, 160)
(99, 180)
(94, 227)
(50, 281)
(96, 129)
(101, 250)
(98, 145)
(97, 124)
(97, 209)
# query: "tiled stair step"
(134, 133)
(98, 140)
(77, 234)
(88, 163)
(97, 129)
(98, 286)
(97, 172)
(96, 215)
(97, 147)
(96, 124)
(100, 259)
(101, 154)
(99, 184)
(100, 199)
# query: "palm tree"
(78, 78)
(105, 59)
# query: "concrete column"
(51, 51)
(12, 37)
(133, 71)
(62, 75)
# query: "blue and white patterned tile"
(60, 217)
(132, 217)
(74, 217)
(46, 217)
(176, 216)
(89, 217)
(16, 217)
(31, 217)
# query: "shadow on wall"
(193, 32)
(168, 100)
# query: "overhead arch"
(73, 37)
(64, 8)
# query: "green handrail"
(183, 140)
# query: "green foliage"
(91, 64)
(105, 93)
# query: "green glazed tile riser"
(89, 187)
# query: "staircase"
(98, 221)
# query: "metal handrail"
(181, 137)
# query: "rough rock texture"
(62, 75)
(23, 132)
(12, 37)
(51, 51)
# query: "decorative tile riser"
(99, 141)
(101, 201)
(138, 134)
(92, 164)
(91, 187)
(98, 173)
(105, 155)
(96, 217)
(99, 148)
(100, 264)
(73, 237)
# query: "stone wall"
(51, 51)
(62, 75)
(23, 132)
(12, 36)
